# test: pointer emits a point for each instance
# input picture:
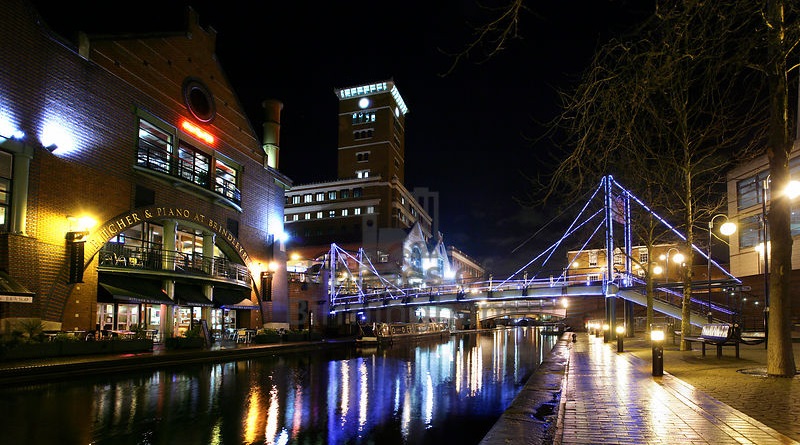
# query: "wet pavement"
(608, 397)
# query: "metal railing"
(117, 256)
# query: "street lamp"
(792, 191)
(727, 228)
(677, 258)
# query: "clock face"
(364, 103)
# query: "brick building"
(134, 192)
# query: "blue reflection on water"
(423, 393)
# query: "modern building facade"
(135, 192)
(749, 193)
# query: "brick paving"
(613, 398)
(606, 397)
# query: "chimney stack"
(272, 131)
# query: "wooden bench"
(717, 334)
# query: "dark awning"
(134, 289)
(190, 295)
(233, 298)
(11, 291)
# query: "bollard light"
(620, 336)
(606, 334)
(657, 341)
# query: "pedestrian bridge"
(515, 294)
(519, 297)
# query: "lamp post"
(665, 257)
(764, 189)
(727, 228)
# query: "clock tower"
(371, 132)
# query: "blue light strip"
(674, 230)
(568, 232)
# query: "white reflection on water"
(363, 400)
(273, 417)
(428, 400)
(344, 394)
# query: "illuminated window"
(331, 213)
(156, 151)
(332, 194)
(345, 212)
(593, 258)
(319, 215)
(357, 211)
(371, 209)
(644, 257)
(6, 161)
(226, 181)
(295, 217)
(361, 174)
(320, 196)
(344, 193)
(307, 216)
(155, 147)
(192, 165)
(296, 199)
(363, 117)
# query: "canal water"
(448, 391)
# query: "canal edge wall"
(532, 416)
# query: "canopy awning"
(191, 295)
(133, 289)
(11, 291)
(233, 298)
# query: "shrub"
(33, 328)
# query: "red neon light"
(198, 132)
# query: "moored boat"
(391, 332)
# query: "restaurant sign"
(119, 224)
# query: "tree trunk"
(649, 289)
(686, 306)
(780, 356)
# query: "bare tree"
(660, 103)
(679, 75)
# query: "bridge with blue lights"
(519, 294)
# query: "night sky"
(469, 134)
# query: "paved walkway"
(612, 398)
(587, 393)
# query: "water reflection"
(451, 391)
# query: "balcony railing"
(113, 256)
(156, 158)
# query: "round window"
(199, 100)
